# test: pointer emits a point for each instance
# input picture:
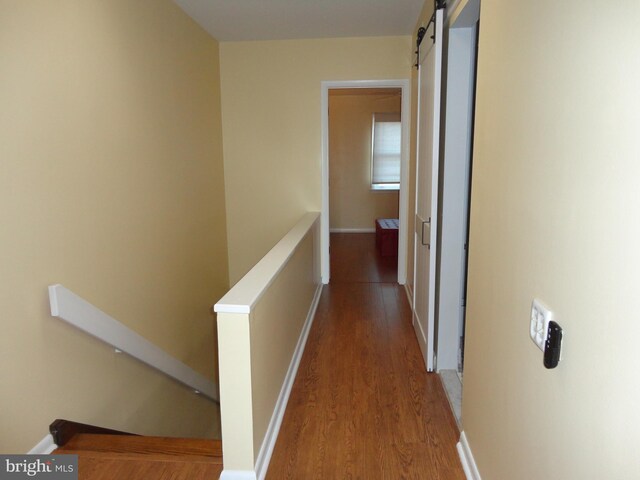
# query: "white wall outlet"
(540, 318)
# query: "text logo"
(50, 467)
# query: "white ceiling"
(232, 20)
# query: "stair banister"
(78, 312)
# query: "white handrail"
(76, 311)
(246, 293)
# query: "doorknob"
(426, 224)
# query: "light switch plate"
(540, 318)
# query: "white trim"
(269, 442)
(238, 475)
(422, 339)
(230, 308)
(76, 311)
(466, 458)
(44, 446)
(353, 230)
(325, 270)
(405, 86)
(407, 289)
(246, 293)
(403, 234)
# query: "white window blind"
(385, 151)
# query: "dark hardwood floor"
(363, 405)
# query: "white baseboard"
(353, 230)
(466, 458)
(407, 288)
(238, 475)
(44, 446)
(269, 442)
(421, 336)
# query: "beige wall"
(554, 216)
(352, 203)
(272, 131)
(111, 184)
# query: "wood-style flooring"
(354, 259)
(363, 405)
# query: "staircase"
(117, 456)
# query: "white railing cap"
(245, 294)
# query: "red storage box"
(387, 236)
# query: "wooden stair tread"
(115, 457)
(134, 456)
(164, 446)
(92, 468)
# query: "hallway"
(362, 405)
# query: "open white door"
(426, 226)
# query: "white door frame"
(404, 85)
(456, 160)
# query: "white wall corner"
(44, 446)
(269, 442)
(238, 475)
(466, 458)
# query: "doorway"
(461, 49)
(364, 179)
(387, 88)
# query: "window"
(385, 151)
